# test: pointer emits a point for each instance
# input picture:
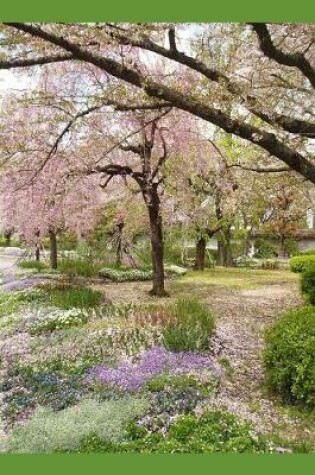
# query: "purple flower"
(132, 376)
(19, 284)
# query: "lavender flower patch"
(132, 376)
(16, 285)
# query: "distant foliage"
(33, 264)
(289, 356)
(265, 249)
(190, 327)
(307, 252)
(302, 262)
(78, 267)
(270, 264)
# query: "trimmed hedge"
(308, 284)
(289, 356)
(302, 262)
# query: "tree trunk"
(118, 253)
(7, 236)
(200, 254)
(37, 253)
(119, 240)
(53, 250)
(157, 245)
(224, 250)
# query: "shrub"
(78, 267)
(125, 275)
(308, 284)
(32, 264)
(302, 262)
(289, 356)
(48, 431)
(190, 327)
(265, 249)
(270, 264)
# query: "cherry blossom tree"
(254, 81)
(48, 204)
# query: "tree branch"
(40, 61)
(261, 169)
(296, 60)
(266, 140)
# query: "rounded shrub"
(302, 262)
(308, 284)
(289, 356)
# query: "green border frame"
(270, 11)
(163, 10)
(152, 464)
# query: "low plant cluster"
(33, 264)
(124, 274)
(256, 263)
(48, 431)
(212, 431)
(56, 319)
(190, 326)
(78, 267)
(68, 297)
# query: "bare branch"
(296, 60)
(40, 61)
(261, 169)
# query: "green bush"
(78, 268)
(289, 356)
(265, 249)
(302, 262)
(308, 284)
(48, 431)
(190, 326)
(33, 264)
(69, 297)
(125, 275)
